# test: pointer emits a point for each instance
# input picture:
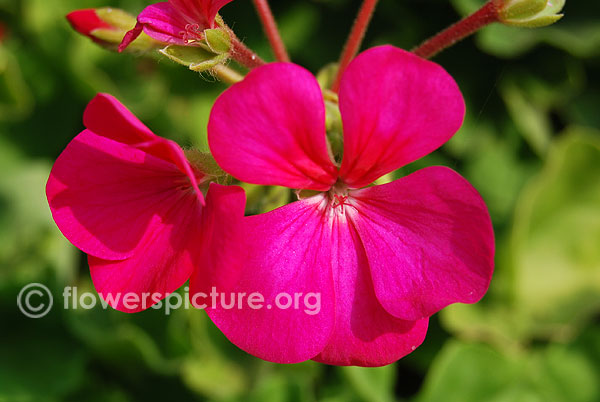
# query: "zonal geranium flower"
(176, 22)
(382, 258)
(131, 201)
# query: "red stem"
(245, 56)
(270, 28)
(355, 39)
(465, 27)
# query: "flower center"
(192, 33)
(339, 199)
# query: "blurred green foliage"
(530, 144)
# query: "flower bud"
(106, 26)
(530, 13)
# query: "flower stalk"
(227, 75)
(486, 15)
(243, 55)
(240, 52)
(355, 39)
(271, 30)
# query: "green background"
(530, 144)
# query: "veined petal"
(200, 11)
(213, 7)
(396, 108)
(161, 262)
(270, 129)
(104, 194)
(164, 23)
(106, 116)
(285, 256)
(364, 334)
(429, 242)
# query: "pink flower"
(176, 22)
(131, 201)
(383, 258)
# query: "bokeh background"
(530, 144)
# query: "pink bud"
(87, 21)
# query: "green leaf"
(475, 372)
(372, 384)
(206, 376)
(29, 240)
(556, 236)
(532, 121)
(463, 373)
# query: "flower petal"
(130, 36)
(285, 252)
(223, 239)
(202, 11)
(86, 21)
(396, 108)
(429, 241)
(106, 116)
(104, 194)
(213, 7)
(164, 23)
(270, 129)
(162, 261)
(365, 334)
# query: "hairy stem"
(227, 75)
(240, 52)
(270, 28)
(243, 55)
(465, 27)
(355, 39)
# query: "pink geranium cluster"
(383, 258)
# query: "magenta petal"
(106, 116)
(164, 23)
(365, 334)
(429, 242)
(200, 11)
(222, 239)
(162, 261)
(213, 7)
(270, 129)
(285, 251)
(396, 108)
(130, 36)
(104, 194)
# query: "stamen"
(192, 33)
(341, 200)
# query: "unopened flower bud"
(530, 13)
(106, 26)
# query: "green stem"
(227, 75)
